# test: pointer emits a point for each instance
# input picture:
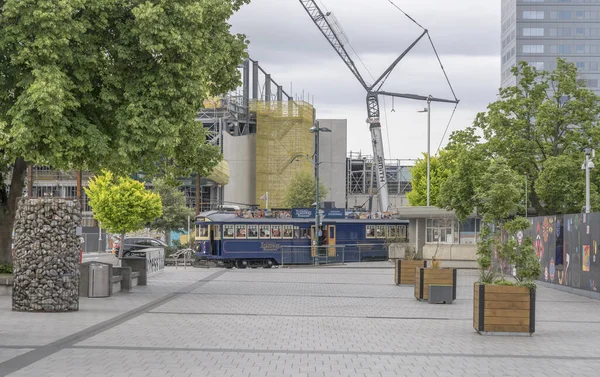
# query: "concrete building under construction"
(261, 128)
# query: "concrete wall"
(332, 154)
(240, 153)
(450, 251)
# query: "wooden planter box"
(502, 308)
(438, 276)
(405, 270)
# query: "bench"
(6, 284)
(139, 266)
(116, 283)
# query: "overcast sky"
(466, 34)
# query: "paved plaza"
(334, 321)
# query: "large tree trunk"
(168, 237)
(8, 208)
(535, 201)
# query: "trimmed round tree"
(122, 204)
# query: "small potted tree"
(404, 272)
(501, 305)
(435, 275)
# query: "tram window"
(202, 231)
(252, 231)
(305, 233)
(296, 232)
(275, 231)
(288, 231)
(370, 231)
(392, 231)
(402, 231)
(217, 231)
(264, 231)
(380, 231)
(227, 231)
(240, 231)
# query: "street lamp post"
(525, 195)
(428, 111)
(316, 129)
(588, 164)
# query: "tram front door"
(327, 241)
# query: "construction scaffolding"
(360, 175)
(284, 147)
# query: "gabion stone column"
(46, 255)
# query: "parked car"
(130, 245)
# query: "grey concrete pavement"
(293, 322)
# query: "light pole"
(317, 130)
(525, 195)
(588, 164)
(428, 111)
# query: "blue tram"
(255, 239)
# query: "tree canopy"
(174, 211)
(539, 130)
(122, 204)
(438, 174)
(105, 84)
(300, 192)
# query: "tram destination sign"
(327, 213)
(303, 213)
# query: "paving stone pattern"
(294, 322)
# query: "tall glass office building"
(539, 31)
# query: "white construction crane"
(332, 32)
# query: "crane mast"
(323, 23)
(320, 19)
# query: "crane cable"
(441, 66)
(406, 14)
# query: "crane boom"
(320, 19)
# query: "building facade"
(332, 155)
(540, 31)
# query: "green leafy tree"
(561, 185)
(546, 120)
(122, 204)
(174, 211)
(466, 159)
(499, 199)
(540, 127)
(437, 174)
(104, 84)
(300, 192)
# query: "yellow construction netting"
(220, 173)
(282, 133)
